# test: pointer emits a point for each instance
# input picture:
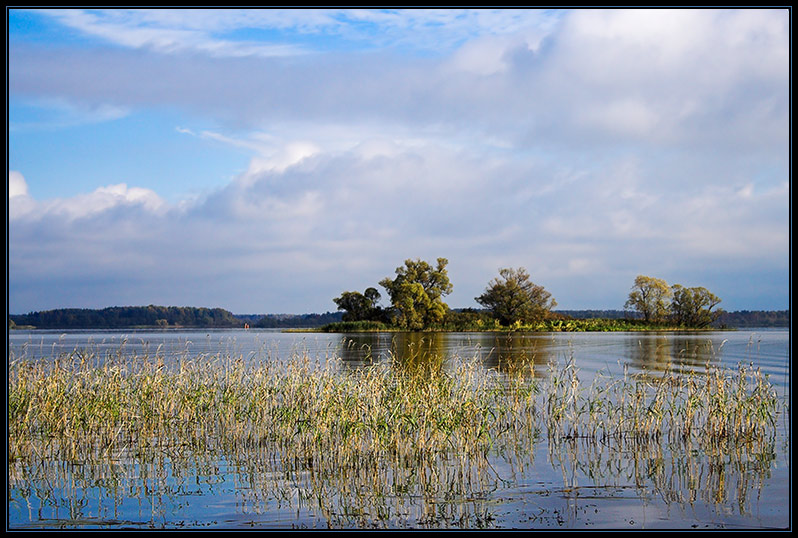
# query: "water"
(542, 486)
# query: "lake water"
(545, 486)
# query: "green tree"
(650, 297)
(359, 306)
(417, 293)
(692, 307)
(513, 297)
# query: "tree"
(417, 293)
(513, 297)
(650, 297)
(692, 307)
(359, 306)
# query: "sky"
(264, 161)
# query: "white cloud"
(349, 216)
(19, 201)
(284, 157)
(199, 30)
(590, 145)
(684, 83)
(627, 117)
(168, 31)
(17, 186)
(746, 191)
(102, 200)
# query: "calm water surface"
(587, 486)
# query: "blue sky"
(264, 161)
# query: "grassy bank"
(482, 325)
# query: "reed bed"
(361, 446)
(714, 405)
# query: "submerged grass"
(361, 444)
(79, 409)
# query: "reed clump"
(709, 406)
(112, 404)
(359, 445)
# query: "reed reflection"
(363, 349)
(660, 352)
(440, 490)
(650, 352)
(681, 472)
(419, 353)
(518, 353)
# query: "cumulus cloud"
(347, 218)
(102, 200)
(588, 147)
(19, 201)
(17, 186)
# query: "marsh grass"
(410, 442)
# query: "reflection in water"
(273, 487)
(659, 352)
(727, 475)
(510, 353)
(520, 353)
(650, 352)
(289, 446)
(417, 353)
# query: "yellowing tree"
(650, 297)
(416, 293)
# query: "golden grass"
(360, 444)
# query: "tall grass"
(359, 445)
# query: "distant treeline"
(740, 318)
(289, 321)
(598, 314)
(754, 318)
(124, 317)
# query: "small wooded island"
(512, 301)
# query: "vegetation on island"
(683, 307)
(512, 301)
(417, 292)
(513, 298)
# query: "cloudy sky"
(265, 161)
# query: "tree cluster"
(416, 295)
(657, 302)
(417, 291)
